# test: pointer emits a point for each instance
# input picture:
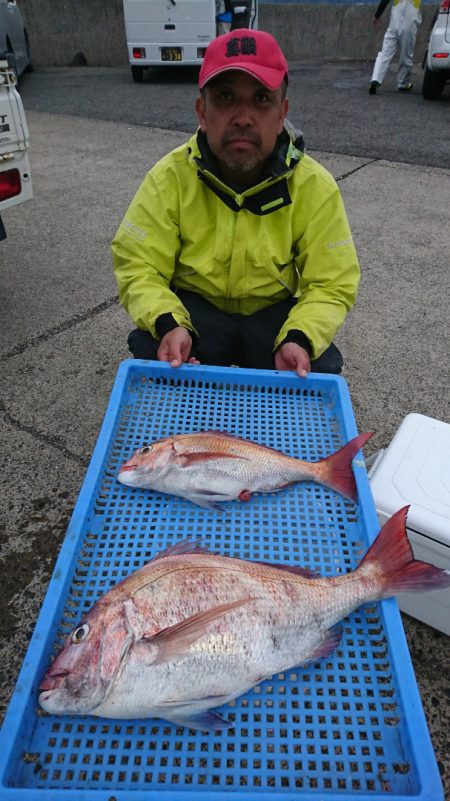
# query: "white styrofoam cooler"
(415, 469)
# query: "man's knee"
(142, 345)
(330, 361)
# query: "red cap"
(254, 52)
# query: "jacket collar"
(272, 191)
(284, 157)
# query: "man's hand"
(291, 356)
(175, 347)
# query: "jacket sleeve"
(328, 272)
(145, 249)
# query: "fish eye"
(146, 449)
(80, 634)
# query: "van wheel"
(433, 84)
(29, 67)
(138, 74)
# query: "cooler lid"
(415, 469)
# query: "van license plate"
(171, 54)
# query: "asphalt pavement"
(93, 136)
(328, 101)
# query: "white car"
(14, 42)
(437, 58)
(15, 174)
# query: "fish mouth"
(128, 474)
(53, 680)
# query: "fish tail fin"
(391, 565)
(336, 471)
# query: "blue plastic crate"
(349, 726)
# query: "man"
(236, 248)
(402, 32)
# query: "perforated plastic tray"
(351, 725)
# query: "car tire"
(433, 84)
(137, 74)
(29, 67)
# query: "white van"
(177, 32)
(14, 37)
(15, 174)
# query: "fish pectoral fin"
(174, 641)
(208, 499)
(203, 721)
(186, 459)
(327, 645)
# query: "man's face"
(241, 119)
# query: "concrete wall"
(92, 31)
(331, 31)
(59, 30)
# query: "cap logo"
(241, 47)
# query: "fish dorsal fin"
(221, 433)
(150, 572)
(180, 548)
(211, 432)
(304, 572)
(194, 546)
(236, 438)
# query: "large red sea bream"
(190, 630)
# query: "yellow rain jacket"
(287, 236)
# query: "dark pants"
(224, 339)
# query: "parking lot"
(328, 101)
(93, 136)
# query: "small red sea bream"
(210, 467)
(192, 630)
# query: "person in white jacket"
(402, 32)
